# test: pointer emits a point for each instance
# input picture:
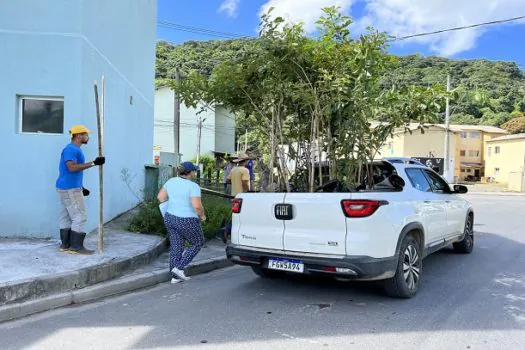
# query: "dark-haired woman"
(183, 218)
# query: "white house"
(217, 131)
(51, 53)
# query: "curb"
(513, 194)
(103, 290)
(41, 287)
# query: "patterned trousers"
(181, 230)
(73, 210)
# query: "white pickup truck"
(376, 232)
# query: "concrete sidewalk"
(492, 189)
(35, 276)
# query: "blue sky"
(398, 17)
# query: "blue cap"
(189, 167)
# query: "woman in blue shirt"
(182, 218)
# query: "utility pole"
(447, 134)
(246, 141)
(199, 136)
(176, 116)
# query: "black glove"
(99, 160)
(85, 192)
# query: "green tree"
(516, 125)
(302, 96)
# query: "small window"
(463, 170)
(463, 135)
(496, 171)
(418, 179)
(41, 115)
(462, 153)
(474, 135)
(497, 150)
(473, 153)
(489, 151)
(469, 171)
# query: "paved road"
(466, 302)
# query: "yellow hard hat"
(78, 129)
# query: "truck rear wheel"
(405, 283)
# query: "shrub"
(207, 161)
(148, 219)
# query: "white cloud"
(229, 7)
(306, 11)
(406, 17)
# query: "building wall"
(58, 48)
(218, 128)
(420, 144)
(472, 146)
(393, 147)
(224, 130)
(189, 118)
(163, 131)
(510, 159)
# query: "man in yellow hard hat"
(69, 186)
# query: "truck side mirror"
(460, 189)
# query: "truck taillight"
(361, 208)
(236, 205)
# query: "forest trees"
(302, 96)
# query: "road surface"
(472, 301)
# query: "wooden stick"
(100, 129)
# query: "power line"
(229, 35)
(200, 30)
(458, 28)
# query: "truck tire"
(405, 282)
(265, 273)
(466, 245)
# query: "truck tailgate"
(318, 225)
(256, 224)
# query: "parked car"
(381, 231)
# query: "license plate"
(286, 265)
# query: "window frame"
(497, 149)
(446, 189)
(21, 99)
(412, 181)
(475, 135)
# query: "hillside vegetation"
(486, 92)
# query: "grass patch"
(148, 219)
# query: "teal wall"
(58, 48)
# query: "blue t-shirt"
(68, 180)
(180, 191)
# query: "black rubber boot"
(77, 244)
(65, 235)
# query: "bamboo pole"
(100, 129)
